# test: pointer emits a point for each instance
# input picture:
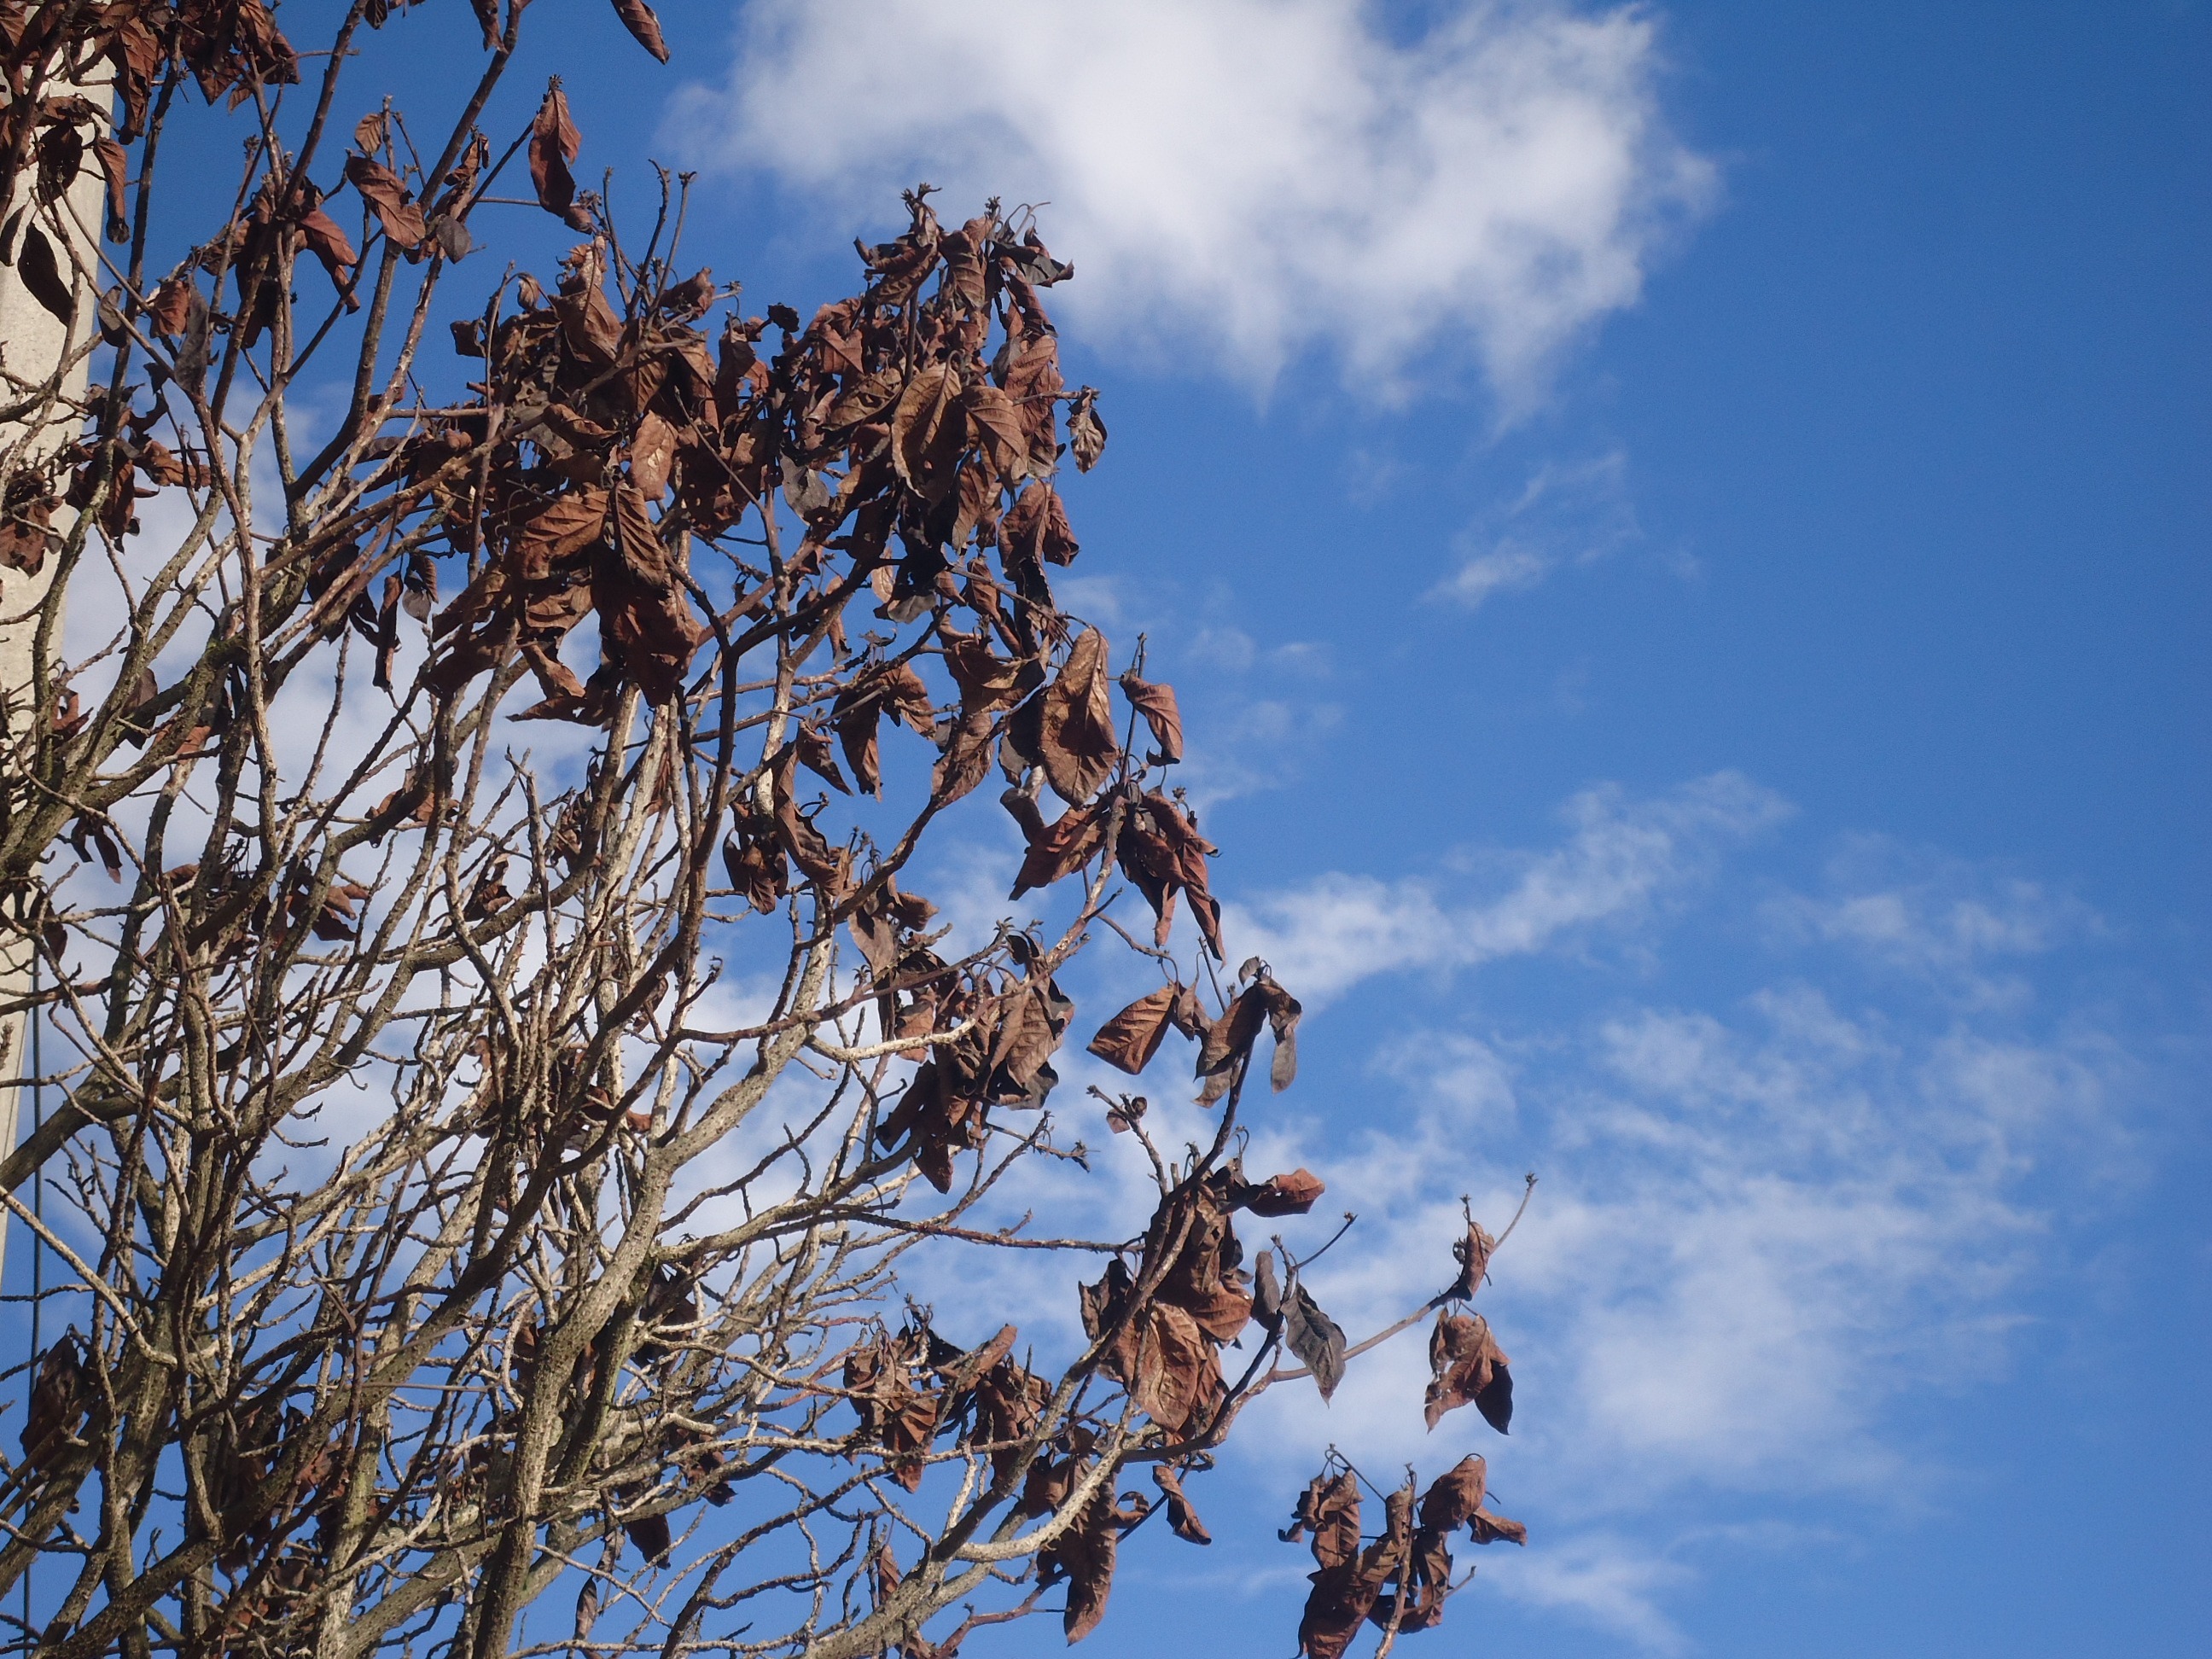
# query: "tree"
(485, 1175)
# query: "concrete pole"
(33, 342)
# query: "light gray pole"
(33, 342)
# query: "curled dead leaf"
(1076, 738)
(1314, 1338)
(1182, 1519)
(1157, 704)
(1281, 1194)
(1466, 1364)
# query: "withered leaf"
(645, 28)
(645, 612)
(1466, 1364)
(808, 847)
(863, 400)
(26, 533)
(1495, 1402)
(1076, 741)
(1329, 1510)
(966, 761)
(857, 714)
(1335, 1608)
(1037, 527)
(1204, 1279)
(1229, 1039)
(1033, 1021)
(997, 426)
(61, 1401)
(1182, 1519)
(894, 1414)
(1087, 432)
(115, 164)
(988, 681)
(1267, 1292)
(1455, 1495)
(381, 189)
(1068, 843)
(1162, 852)
(1129, 1040)
(815, 755)
(1487, 1529)
(1283, 1012)
(1008, 1402)
(554, 143)
(653, 1536)
(61, 156)
(1178, 1371)
(652, 452)
(961, 1374)
(757, 873)
(1157, 704)
(1084, 1557)
(1423, 1568)
(1473, 1254)
(929, 431)
(330, 245)
(689, 298)
(42, 276)
(1282, 1194)
(1314, 1338)
(172, 307)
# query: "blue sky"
(1681, 537)
(1684, 533)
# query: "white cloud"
(1621, 859)
(1500, 570)
(1756, 1229)
(1253, 177)
(1609, 1582)
(1963, 929)
(1566, 513)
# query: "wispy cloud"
(1620, 859)
(1251, 178)
(1964, 929)
(1615, 1583)
(1566, 513)
(1760, 1222)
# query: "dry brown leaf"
(1177, 1370)
(1455, 1495)
(997, 430)
(645, 28)
(1035, 527)
(1314, 1338)
(1282, 1194)
(1076, 741)
(1068, 843)
(1157, 704)
(1087, 432)
(652, 452)
(1129, 1040)
(1487, 1529)
(929, 431)
(172, 307)
(380, 188)
(1466, 1364)
(1182, 1519)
